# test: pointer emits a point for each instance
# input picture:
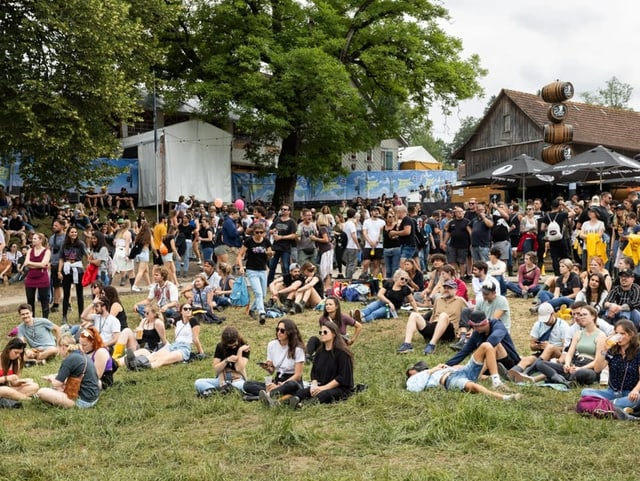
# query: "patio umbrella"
(523, 169)
(599, 164)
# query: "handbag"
(72, 384)
(135, 250)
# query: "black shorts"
(507, 362)
(55, 281)
(429, 329)
(377, 254)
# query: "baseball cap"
(451, 284)
(544, 311)
(293, 266)
(625, 273)
(488, 286)
(478, 318)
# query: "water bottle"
(388, 311)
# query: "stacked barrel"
(557, 134)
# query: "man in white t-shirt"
(372, 235)
(350, 255)
(97, 314)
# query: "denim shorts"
(82, 404)
(181, 347)
(407, 252)
(469, 373)
(143, 256)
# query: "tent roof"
(197, 131)
(416, 153)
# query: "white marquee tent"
(194, 157)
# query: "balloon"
(239, 204)
(217, 203)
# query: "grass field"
(150, 425)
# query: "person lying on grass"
(187, 333)
(461, 377)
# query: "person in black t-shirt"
(257, 249)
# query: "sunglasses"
(280, 330)
(258, 232)
(187, 308)
(285, 208)
(146, 313)
(323, 333)
(403, 278)
(87, 334)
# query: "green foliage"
(310, 81)
(615, 94)
(72, 72)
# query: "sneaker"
(430, 349)
(136, 289)
(502, 371)
(517, 376)
(502, 387)
(357, 315)
(533, 309)
(405, 348)
(206, 393)
(54, 308)
(457, 346)
(121, 282)
(130, 360)
(512, 397)
(525, 295)
(263, 318)
(266, 399)
(294, 402)
(298, 307)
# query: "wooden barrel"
(556, 153)
(557, 92)
(557, 113)
(558, 133)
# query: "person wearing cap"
(623, 300)
(284, 288)
(459, 378)
(442, 324)
(492, 305)
(549, 336)
(489, 334)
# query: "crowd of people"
(409, 260)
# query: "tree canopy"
(71, 71)
(615, 94)
(310, 81)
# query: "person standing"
(405, 233)
(257, 249)
(283, 232)
(350, 254)
(372, 236)
(305, 234)
(71, 269)
(481, 227)
(56, 240)
(37, 280)
(456, 242)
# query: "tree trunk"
(284, 190)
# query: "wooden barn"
(515, 122)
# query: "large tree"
(309, 81)
(70, 72)
(615, 94)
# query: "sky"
(527, 44)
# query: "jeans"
(619, 398)
(350, 257)
(375, 310)
(407, 252)
(391, 260)
(187, 255)
(277, 256)
(207, 253)
(258, 282)
(547, 296)
(515, 288)
(212, 383)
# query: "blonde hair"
(69, 342)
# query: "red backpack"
(597, 407)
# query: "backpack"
(597, 407)
(554, 231)
(239, 292)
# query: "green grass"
(150, 426)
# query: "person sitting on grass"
(284, 288)
(12, 386)
(489, 333)
(441, 324)
(74, 365)
(285, 358)
(187, 332)
(310, 293)
(97, 314)
(331, 373)
(164, 293)
(150, 334)
(39, 333)
(459, 378)
(623, 301)
(92, 346)
(391, 297)
(549, 336)
(447, 273)
(229, 363)
(332, 312)
(567, 286)
(528, 283)
(583, 357)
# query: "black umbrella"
(514, 171)
(598, 164)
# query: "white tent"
(194, 157)
(417, 158)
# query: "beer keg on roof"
(558, 133)
(556, 153)
(557, 113)
(557, 92)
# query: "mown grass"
(150, 426)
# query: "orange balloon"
(217, 203)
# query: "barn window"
(506, 121)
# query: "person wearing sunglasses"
(331, 373)
(257, 250)
(150, 334)
(391, 297)
(283, 234)
(285, 360)
(229, 364)
(187, 334)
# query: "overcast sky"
(526, 44)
